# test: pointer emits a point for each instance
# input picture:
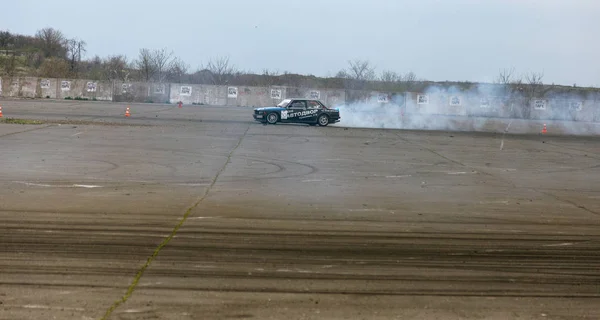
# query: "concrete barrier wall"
(500, 107)
(47, 88)
(469, 103)
(242, 96)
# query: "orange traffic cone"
(1, 112)
(544, 130)
(127, 114)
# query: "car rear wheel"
(323, 120)
(272, 118)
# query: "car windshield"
(284, 103)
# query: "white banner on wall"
(45, 84)
(232, 92)
(91, 86)
(422, 99)
(455, 101)
(539, 104)
(484, 103)
(275, 93)
(186, 91)
(65, 85)
(315, 94)
(576, 105)
(382, 98)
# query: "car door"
(295, 111)
(313, 108)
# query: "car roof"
(302, 99)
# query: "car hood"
(269, 109)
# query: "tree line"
(50, 53)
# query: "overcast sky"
(438, 40)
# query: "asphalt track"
(289, 221)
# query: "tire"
(323, 120)
(272, 118)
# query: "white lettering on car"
(301, 114)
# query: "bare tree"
(271, 73)
(74, 50)
(408, 80)
(94, 68)
(55, 68)
(361, 70)
(389, 76)
(161, 58)
(145, 65)
(6, 39)
(8, 63)
(535, 83)
(410, 77)
(177, 70)
(220, 69)
(342, 74)
(115, 68)
(52, 42)
(268, 77)
(506, 76)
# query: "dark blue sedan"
(309, 111)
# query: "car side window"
(313, 104)
(298, 105)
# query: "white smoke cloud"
(489, 108)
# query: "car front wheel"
(323, 120)
(272, 118)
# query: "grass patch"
(20, 121)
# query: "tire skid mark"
(311, 169)
(141, 271)
(24, 131)
(567, 202)
(280, 168)
(406, 292)
(587, 152)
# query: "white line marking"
(404, 176)
(133, 311)
(317, 180)
(492, 202)
(87, 186)
(33, 184)
(559, 245)
(457, 172)
(303, 271)
(76, 134)
(37, 306)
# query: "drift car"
(307, 111)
